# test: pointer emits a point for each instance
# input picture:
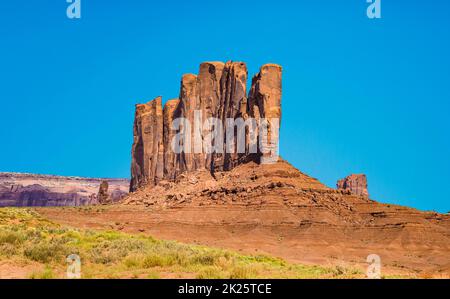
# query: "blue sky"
(359, 95)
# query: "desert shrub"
(211, 272)
(115, 250)
(206, 259)
(47, 273)
(155, 260)
(34, 235)
(181, 258)
(242, 272)
(133, 261)
(46, 252)
(8, 250)
(341, 271)
(263, 259)
(225, 263)
(11, 237)
(151, 260)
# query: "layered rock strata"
(31, 190)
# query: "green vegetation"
(28, 239)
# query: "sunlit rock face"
(218, 91)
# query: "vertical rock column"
(233, 86)
(189, 102)
(169, 114)
(210, 97)
(148, 150)
(265, 102)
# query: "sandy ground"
(254, 234)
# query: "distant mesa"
(31, 190)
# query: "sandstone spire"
(220, 92)
(147, 152)
(209, 79)
(233, 86)
(169, 114)
(265, 102)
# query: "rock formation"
(25, 190)
(355, 184)
(147, 165)
(265, 101)
(103, 195)
(168, 135)
(275, 208)
(220, 92)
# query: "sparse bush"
(110, 254)
(47, 273)
(242, 272)
(134, 261)
(206, 259)
(46, 252)
(113, 251)
(263, 259)
(341, 271)
(211, 272)
(8, 250)
(155, 260)
(11, 237)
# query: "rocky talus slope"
(25, 190)
(281, 211)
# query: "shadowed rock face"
(355, 184)
(147, 153)
(218, 91)
(168, 135)
(29, 190)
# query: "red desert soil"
(11, 270)
(277, 210)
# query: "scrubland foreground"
(34, 247)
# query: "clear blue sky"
(360, 95)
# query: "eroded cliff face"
(147, 164)
(29, 190)
(265, 102)
(219, 91)
(355, 184)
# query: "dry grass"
(26, 237)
